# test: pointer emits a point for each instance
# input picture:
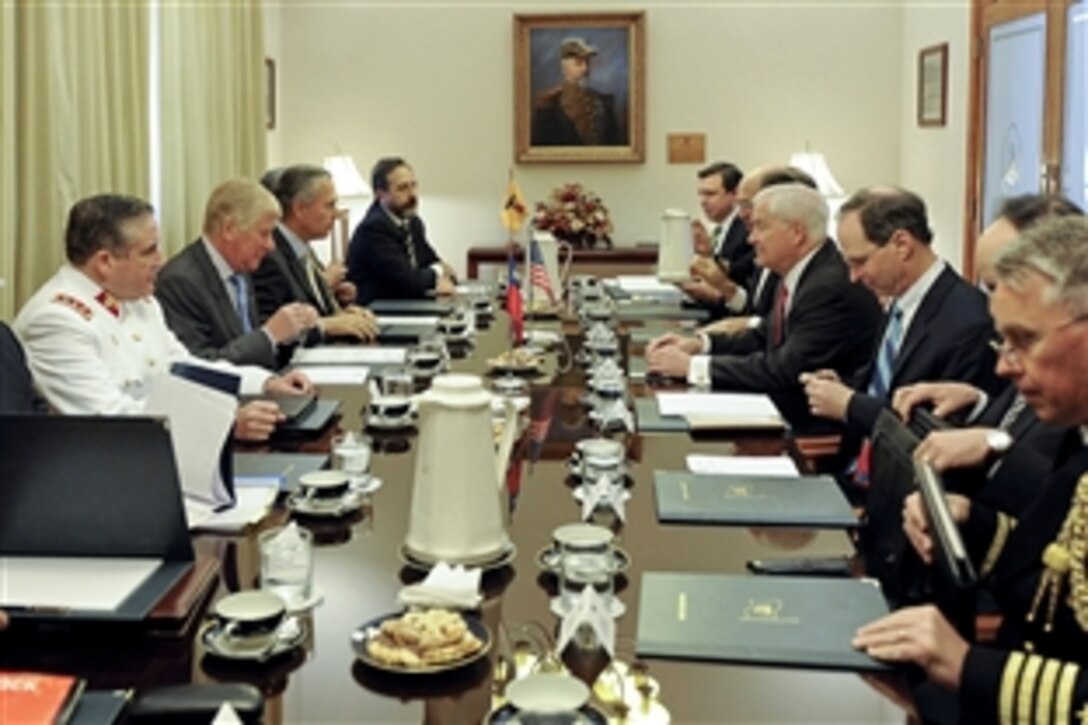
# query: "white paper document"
(251, 505)
(336, 374)
(725, 410)
(406, 320)
(349, 355)
(86, 583)
(782, 466)
(201, 419)
(645, 284)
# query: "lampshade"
(815, 165)
(346, 177)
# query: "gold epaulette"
(82, 308)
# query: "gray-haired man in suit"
(206, 291)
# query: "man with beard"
(389, 256)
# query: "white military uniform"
(92, 354)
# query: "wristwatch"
(998, 440)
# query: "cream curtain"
(74, 89)
(7, 160)
(212, 101)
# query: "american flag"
(540, 423)
(538, 271)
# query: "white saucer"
(350, 502)
(405, 421)
(367, 485)
(290, 635)
(617, 607)
(298, 607)
(580, 494)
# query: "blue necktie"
(889, 348)
(241, 301)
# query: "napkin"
(589, 609)
(445, 586)
(226, 715)
(615, 411)
(603, 492)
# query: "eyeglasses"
(1015, 351)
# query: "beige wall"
(933, 161)
(434, 83)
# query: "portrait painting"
(578, 87)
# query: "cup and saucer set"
(252, 626)
(331, 493)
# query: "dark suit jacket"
(200, 312)
(738, 253)
(17, 394)
(378, 261)
(948, 339)
(281, 279)
(1014, 482)
(831, 324)
(1014, 584)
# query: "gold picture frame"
(933, 86)
(579, 87)
(269, 94)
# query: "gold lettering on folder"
(685, 494)
(767, 611)
(741, 490)
(682, 607)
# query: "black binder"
(93, 486)
(796, 622)
(813, 502)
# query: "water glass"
(351, 454)
(582, 564)
(287, 562)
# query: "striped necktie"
(241, 301)
(880, 384)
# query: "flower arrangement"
(575, 215)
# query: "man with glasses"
(1035, 566)
(936, 326)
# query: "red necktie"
(780, 313)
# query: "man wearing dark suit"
(291, 271)
(819, 317)
(1034, 564)
(17, 394)
(207, 294)
(937, 326)
(389, 256)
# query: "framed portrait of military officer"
(579, 90)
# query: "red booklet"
(33, 697)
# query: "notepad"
(801, 622)
(336, 374)
(721, 410)
(781, 466)
(814, 502)
(406, 320)
(349, 355)
(76, 583)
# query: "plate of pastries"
(518, 360)
(421, 641)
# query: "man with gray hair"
(206, 291)
(818, 316)
(291, 271)
(1034, 566)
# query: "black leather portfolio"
(814, 502)
(92, 487)
(637, 311)
(797, 622)
(313, 422)
(288, 467)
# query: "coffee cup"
(598, 455)
(390, 407)
(250, 619)
(324, 485)
(396, 383)
(424, 361)
(453, 326)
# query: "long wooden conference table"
(359, 570)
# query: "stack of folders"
(795, 622)
(814, 502)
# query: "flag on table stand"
(514, 211)
(538, 271)
(514, 307)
